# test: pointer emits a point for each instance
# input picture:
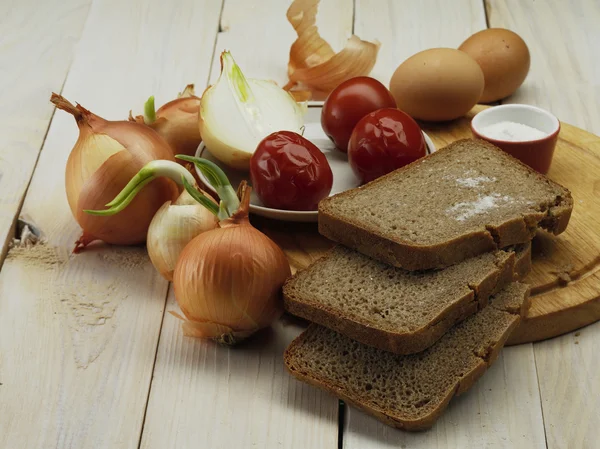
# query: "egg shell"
(504, 58)
(438, 84)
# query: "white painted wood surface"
(405, 28)
(37, 41)
(78, 334)
(564, 40)
(205, 395)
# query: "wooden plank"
(242, 397)
(405, 28)
(233, 397)
(248, 29)
(34, 36)
(568, 369)
(491, 414)
(563, 39)
(78, 334)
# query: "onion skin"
(228, 280)
(177, 122)
(172, 228)
(313, 63)
(105, 157)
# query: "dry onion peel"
(176, 121)
(106, 155)
(236, 113)
(227, 280)
(313, 63)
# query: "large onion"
(228, 280)
(105, 157)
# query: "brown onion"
(105, 157)
(176, 121)
(228, 280)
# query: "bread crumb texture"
(409, 390)
(373, 293)
(467, 187)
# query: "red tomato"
(348, 103)
(383, 141)
(290, 172)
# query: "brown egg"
(504, 59)
(437, 84)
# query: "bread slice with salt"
(463, 200)
(393, 309)
(408, 391)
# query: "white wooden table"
(88, 356)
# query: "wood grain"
(405, 28)
(242, 397)
(78, 334)
(35, 38)
(563, 39)
(568, 369)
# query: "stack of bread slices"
(423, 291)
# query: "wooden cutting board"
(565, 278)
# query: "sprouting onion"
(227, 280)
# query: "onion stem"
(149, 172)
(202, 199)
(218, 180)
(149, 111)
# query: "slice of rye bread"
(400, 311)
(408, 391)
(463, 200)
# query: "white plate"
(343, 176)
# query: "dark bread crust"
(508, 269)
(390, 416)
(374, 243)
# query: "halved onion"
(236, 113)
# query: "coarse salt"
(512, 132)
(472, 179)
(465, 210)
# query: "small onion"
(228, 280)
(173, 227)
(176, 121)
(106, 155)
